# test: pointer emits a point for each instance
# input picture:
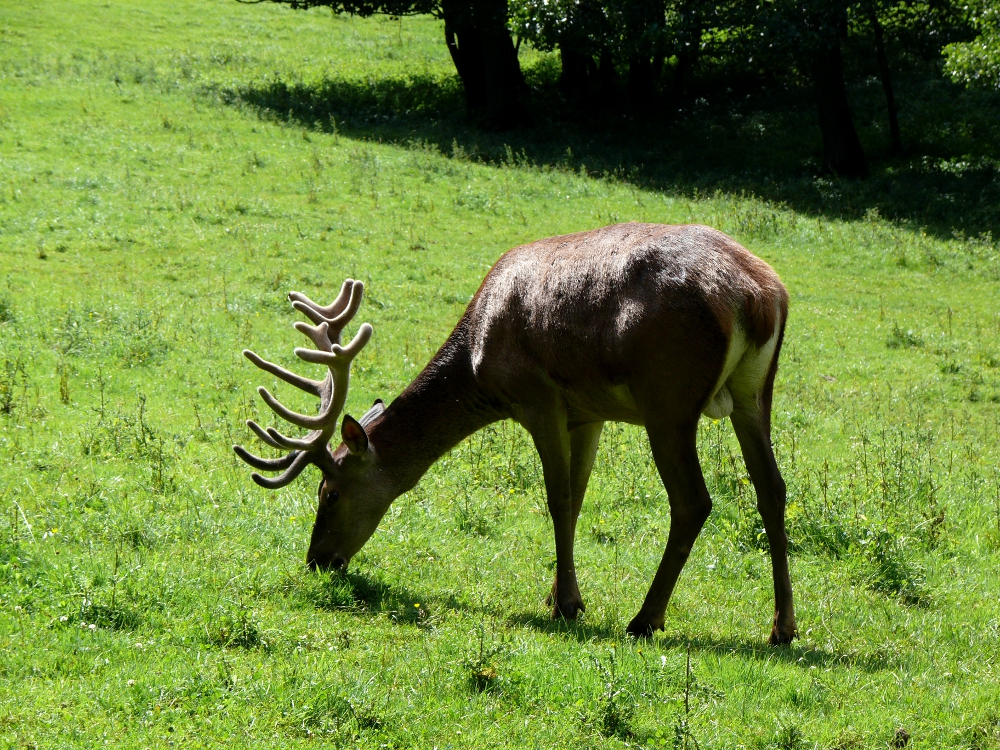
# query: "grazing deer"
(641, 323)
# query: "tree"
(895, 140)
(842, 152)
(480, 45)
(977, 63)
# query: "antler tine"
(341, 320)
(318, 313)
(315, 313)
(317, 422)
(311, 443)
(300, 462)
(357, 343)
(320, 335)
(341, 355)
(306, 384)
(266, 464)
(261, 433)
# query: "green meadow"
(170, 171)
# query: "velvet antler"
(329, 323)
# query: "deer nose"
(323, 562)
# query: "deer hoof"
(568, 610)
(642, 627)
(782, 636)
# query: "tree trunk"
(604, 81)
(644, 22)
(574, 77)
(686, 60)
(486, 60)
(688, 44)
(641, 84)
(895, 142)
(842, 152)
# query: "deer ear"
(377, 408)
(353, 435)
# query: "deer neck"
(441, 407)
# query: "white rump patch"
(744, 371)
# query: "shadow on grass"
(757, 142)
(367, 594)
(579, 630)
(794, 653)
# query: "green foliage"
(977, 62)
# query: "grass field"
(169, 171)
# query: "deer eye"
(332, 495)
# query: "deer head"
(349, 499)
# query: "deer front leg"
(552, 440)
(583, 442)
(676, 457)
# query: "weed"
(602, 534)
(110, 616)
(63, 370)
(6, 310)
(234, 628)
(900, 339)
(13, 381)
(139, 341)
(888, 569)
(616, 706)
(832, 533)
(789, 737)
(985, 735)
(755, 221)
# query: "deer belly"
(610, 403)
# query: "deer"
(649, 324)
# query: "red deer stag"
(641, 323)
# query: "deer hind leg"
(676, 456)
(751, 419)
(583, 442)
